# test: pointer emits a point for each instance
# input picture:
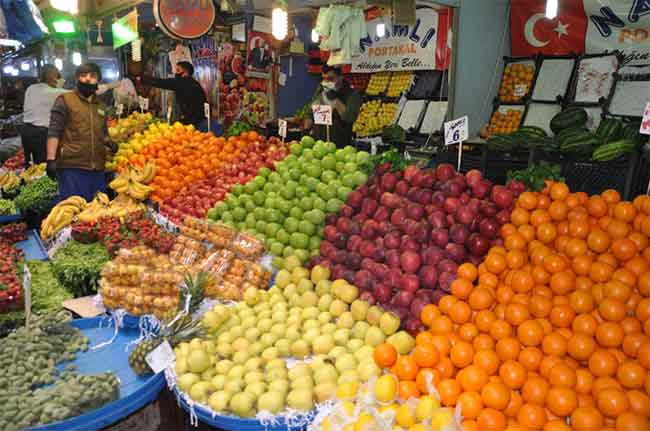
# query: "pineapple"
(175, 332)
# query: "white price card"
(27, 288)
(456, 131)
(120, 109)
(374, 143)
(169, 114)
(282, 127)
(322, 114)
(144, 103)
(160, 357)
(645, 124)
(206, 110)
(520, 90)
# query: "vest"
(82, 144)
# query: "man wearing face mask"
(345, 102)
(39, 99)
(78, 142)
(189, 94)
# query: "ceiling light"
(279, 23)
(76, 58)
(381, 30)
(551, 9)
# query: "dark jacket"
(189, 95)
(80, 126)
(341, 129)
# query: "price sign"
(456, 131)
(120, 109)
(645, 124)
(144, 103)
(206, 110)
(27, 288)
(374, 143)
(169, 114)
(160, 357)
(520, 90)
(322, 114)
(282, 128)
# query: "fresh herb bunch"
(7, 207)
(47, 293)
(535, 176)
(393, 157)
(77, 266)
(237, 128)
(37, 197)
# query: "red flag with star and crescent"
(533, 33)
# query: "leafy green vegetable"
(392, 156)
(38, 196)
(77, 266)
(535, 175)
(7, 207)
(393, 134)
(237, 128)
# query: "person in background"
(345, 102)
(189, 94)
(78, 142)
(39, 99)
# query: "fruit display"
(16, 162)
(36, 392)
(551, 328)
(32, 173)
(378, 83)
(255, 109)
(196, 198)
(37, 197)
(399, 83)
(126, 127)
(359, 81)
(10, 287)
(9, 182)
(141, 281)
(240, 368)
(7, 207)
(287, 208)
(517, 82)
(13, 232)
(77, 266)
(133, 182)
(237, 128)
(373, 117)
(505, 122)
(401, 238)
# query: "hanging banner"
(426, 45)
(184, 19)
(583, 26)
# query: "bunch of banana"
(9, 181)
(97, 208)
(34, 172)
(62, 215)
(120, 184)
(144, 175)
(138, 190)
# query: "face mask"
(60, 82)
(178, 75)
(86, 90)
(329, 85)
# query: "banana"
(148, 173)
(139, 191)
(119, 184)
(77, 201)
(103, 198)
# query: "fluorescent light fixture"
(64, 26)
(315, 37)
(25, 66)
(551, 9)
(10, 42)
(381, 30)
(14, 71)
(58, 63)
(7, 70)
(76, 58)
(279, 23)
(71, 6)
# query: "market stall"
(254, 280)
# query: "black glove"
(332, 94)
(51, 169)
(113, 146)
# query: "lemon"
(386, 389)
(426, 407)
(405, 417)
(347, 391)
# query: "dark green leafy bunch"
(394, 157)
(535, 176)
(393, 135)
(77, 266)
(237, 128)
(38, 196)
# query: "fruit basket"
(135, 392)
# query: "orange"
(484, 319)
(554, 344)
(488, 360)
(461, 354)
(609, 334)
(561, 401)
(612, 402)
(611, 196)
(584, 323)
(445, 303)
(449, 390)
(500, 329)
(513, 374)
(481, 298)
(461, 288)
(441, 325)
(562, 375)
(534, 390)
(385, 355)
(522, 281)
(631, 375)
(491, 420)
(580, 346)
(632, 422)
(611, 309)
(406, 368)
(530, 333)
(495, 263)
(468, 331)
(515, 241)
(601, 272)
(472, 378)
(442, 344)
(408, 389)
(532, 416)
(426, 378)
(424, 337)
(516, 314)
(470, 404)
(468, 271)
(603, 363)
(559, 191)
(581, 301)
(586, 418)
(563, 282)
(495, 395)
(531, 358)
(519, 217)
(632, 343)
(584, 381)
(639, 402)
(428, 313)
(527, 200)
(508, 348)
(425, 355)
(558, 210)
(624, 248)
(556, 425)
(598, 241)
(546, 233)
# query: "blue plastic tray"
(135, 392)
(12, 217)
(233, 423)
(33, 247)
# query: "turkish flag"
(533, 33)
(443, 41)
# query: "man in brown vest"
(78, 141)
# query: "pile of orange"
(505, 123)
(552, 331)
(516, 82)
(188, 156)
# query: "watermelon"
(580, 143)
(569, 118)
(631, 131)
(532, 131)
(502, 142)
(613, 150)
(610, 129)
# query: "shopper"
(345, 102)
(189, 94)
(78, 141)
(39, 99)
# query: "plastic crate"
(473, 159)
(499, 163)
